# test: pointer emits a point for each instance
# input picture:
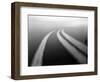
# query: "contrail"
(75, 42)
(37, 60)
(76, 54)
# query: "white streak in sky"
(75, 53)
(37, 60)
(75, 42)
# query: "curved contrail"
(37, 60)
(76, 54)
(75, 42)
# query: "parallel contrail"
(37, 60)
(75, 42)
(76, 54)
